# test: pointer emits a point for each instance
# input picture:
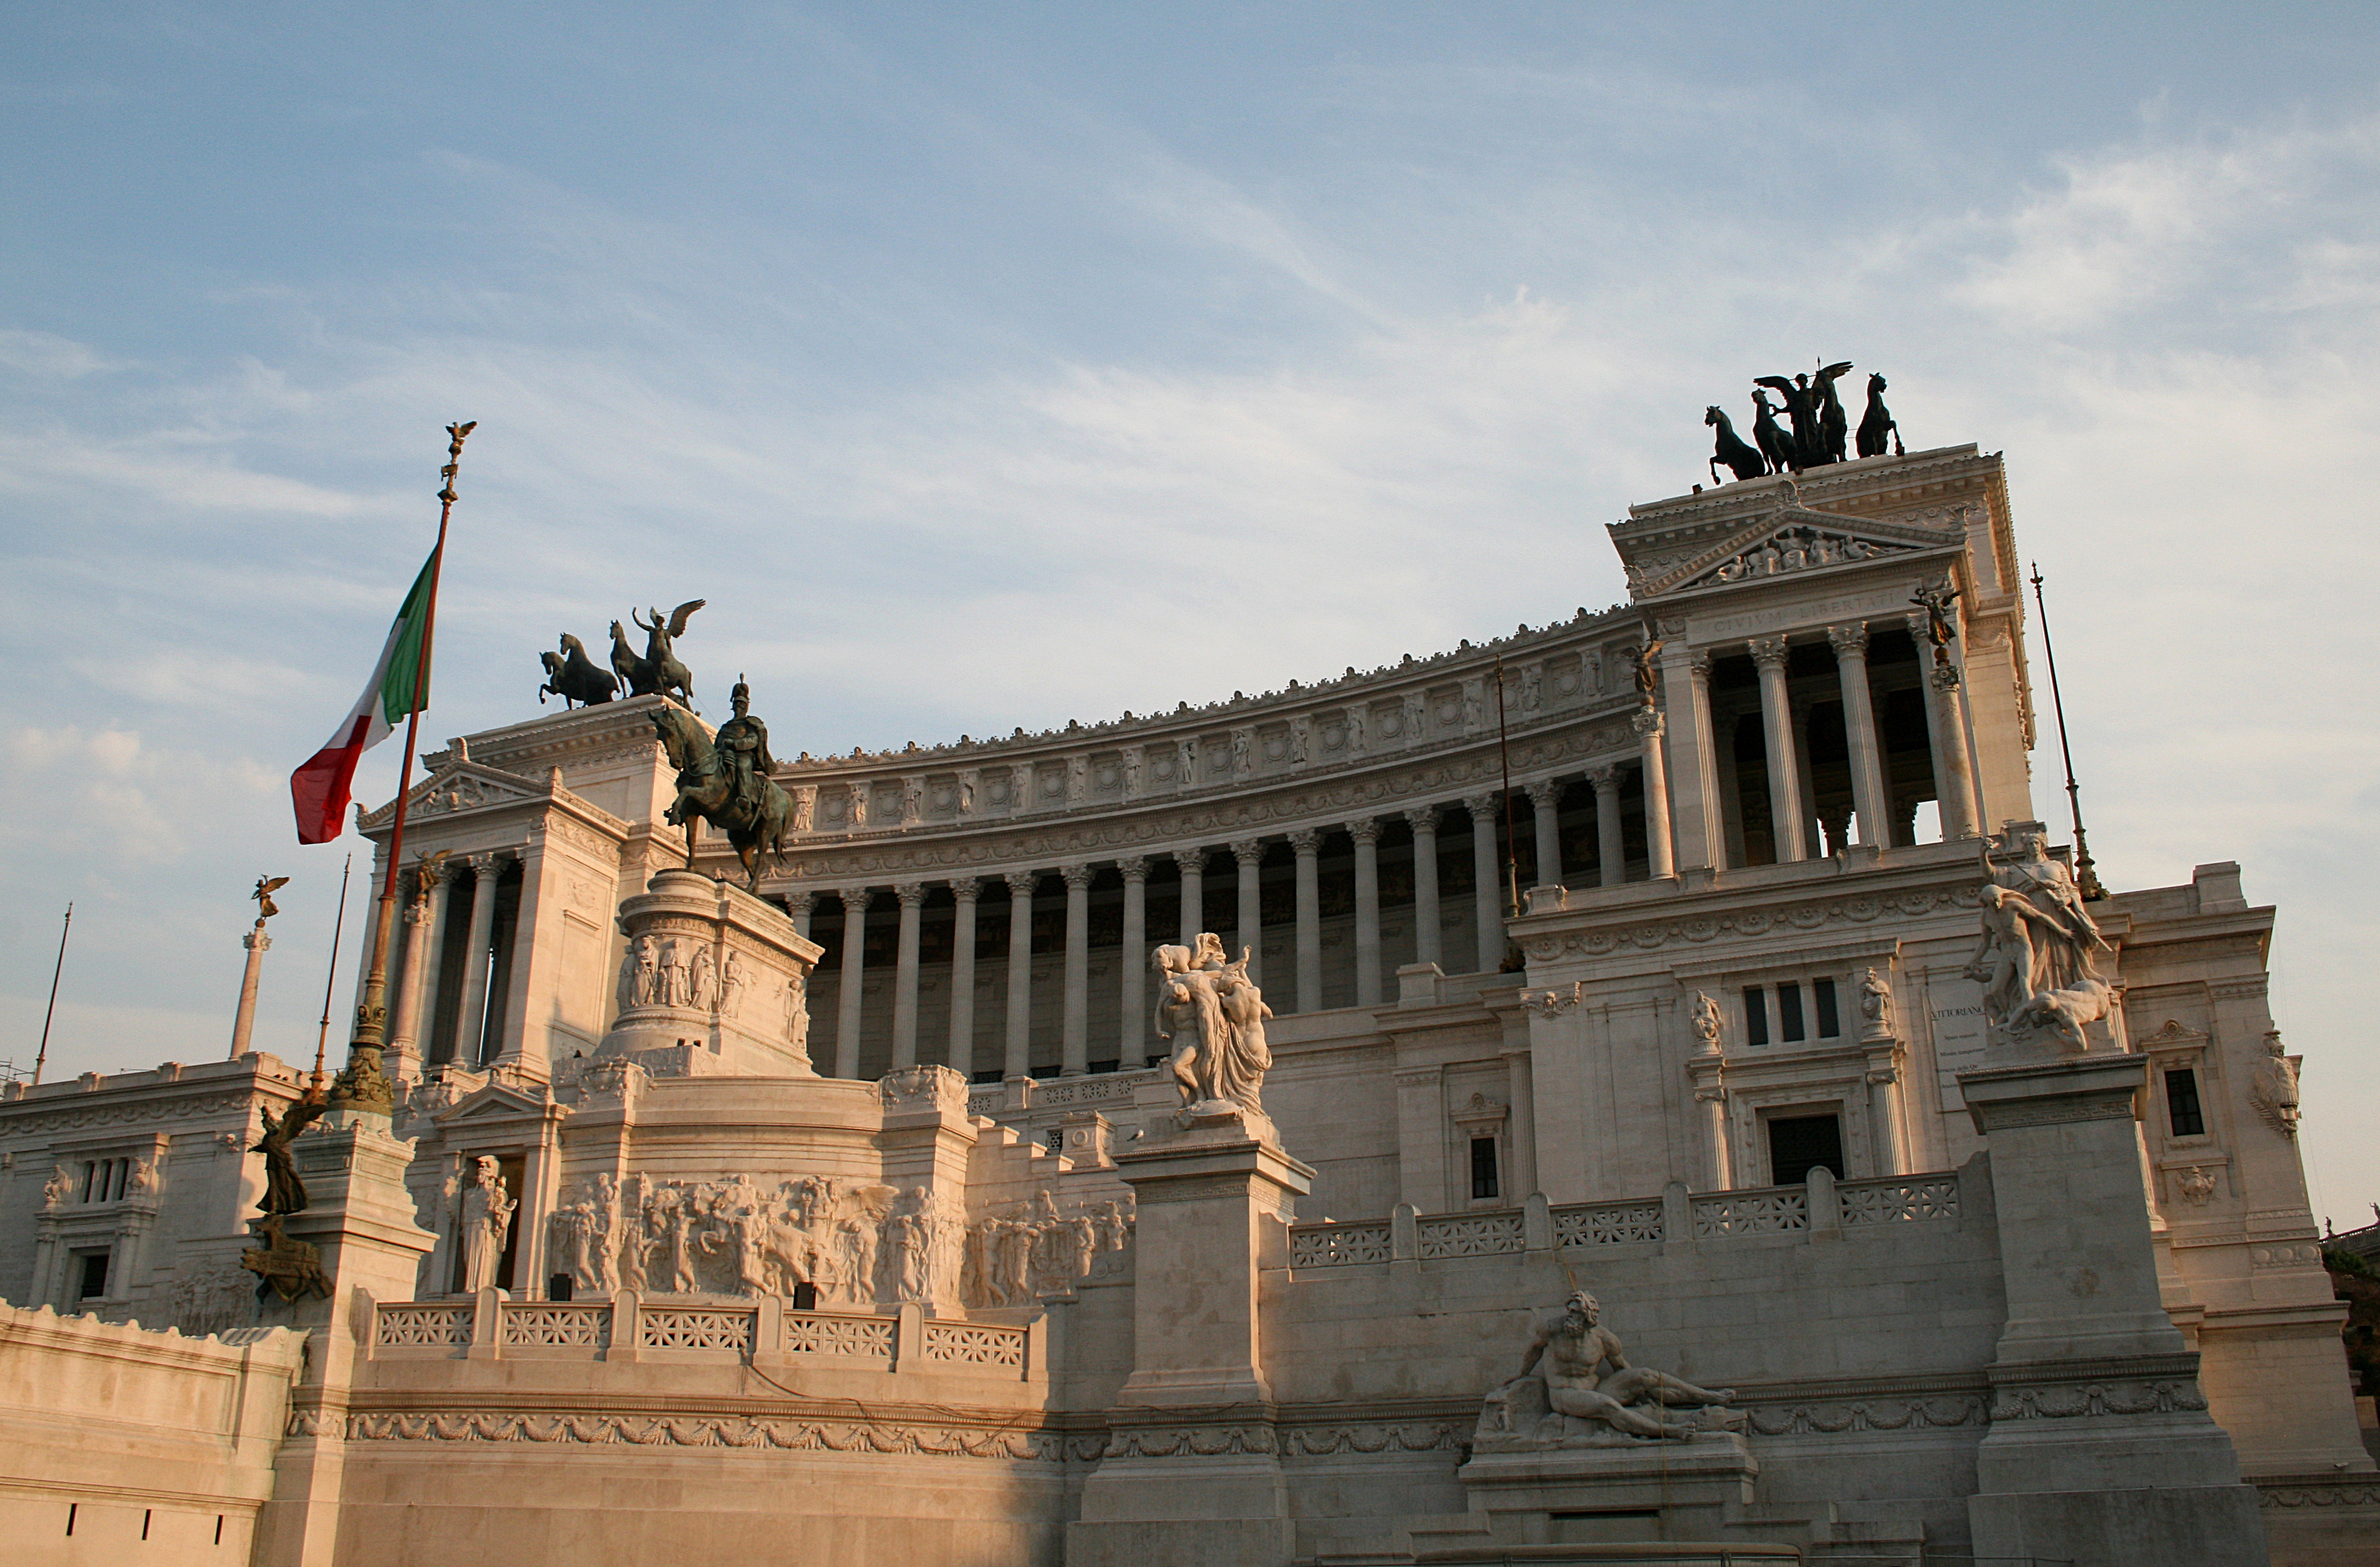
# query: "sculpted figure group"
(1033, 1250)
(667, 971)
(2036, 960)
(1214, 1015)
(1575, 1370)
(1818, 426)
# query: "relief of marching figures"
(855, 1243)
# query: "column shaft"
(1192, 863)
(256, 941)
(1077, 1037)
(800, 905)
(1018, 1060)
(1545, 798)
(474, 1015)
(1718, 1167)
(1611, 851)
(1953, 784)
(1660, 860)
(1487, 894)
(1248, 853)
(1132, 1010)
(911, 896)
(1424, 820)
(1692, 792)
(1366, 833)
(847, 994)
(1307, 842)
(1859, 729)
(964, 893)
(1520, 1090)
(1777, 736)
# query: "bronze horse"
(572, 676)
(705, 791)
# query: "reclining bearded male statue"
(1574, 1372)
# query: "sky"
(988, 367)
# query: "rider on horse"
(743, 745)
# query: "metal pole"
(338, 928)
(2086, 878)
(43, 1057)
(362, 1083)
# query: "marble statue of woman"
(1214, 1015)
(487, 1218)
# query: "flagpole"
(363, 1086)
(42, 1057)
(330, 980)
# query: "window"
(1798, 1144)
(1755, 1015)
(559, 1287)
(1483, 1169)
(92, 1283)
(804, 1297)
(1057, 1137)
(2182, 1110)
(1830, 1025)
(1789, 1013)
(988, 1074)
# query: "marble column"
(1248, 853)
(1611, 849)
(1545, 797)
(1777, 735)
(912, 897)
(965, 890)
(1193, 864)
(258, 944)
(1424, 821)
(1521, 1130)
(1717, 1165)
(1859, 728)
(425, 920)
(1366, 833)
(1884, 1118)
(486, 872)
(1076, 1036)
(1953, 782)
(1131, 1009)
(1487, 892)
(847, 994)
(1018, 1062)
(1699, 824)
(1307, 842)
(1660, 862)
(799, 905)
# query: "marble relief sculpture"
(2274, 1090)
(1576, 1388)
(2036, 960)
(1214, 1017)
(1031, 1251)
(486, 1219)
(1708, 1024)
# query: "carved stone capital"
(1364, 830)
(1248, 850)
(1544, 792)
(966, 889)
(1481, 806)
(911, 894)
(1647, 722)
(1021, 882)
(1605, 776)
(800, 904)
(1850, 640)
(257, 940)
(1306, 841)
(1699, 665)
(1945, 677)
(1422, 819)
(1768, 653)
(1191, 861)
(855, 899)
(1135, 868)
(1077, 876)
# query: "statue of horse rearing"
(704, 792)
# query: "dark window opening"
(1755, 1015)
(1057, 1139)
(2181, 1106)
(1096, 1067)
(1789, 1013)
(1830, 1025)
(1798, 1144)
(989, 1075)
(94, 1282)
(1483, 1168)
(804, 1297)
(560, 1286)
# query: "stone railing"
(1823, 1205)
(1025, 1094)
(627, 1327)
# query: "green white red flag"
(399, 687)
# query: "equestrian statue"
(723, 779)
(576, 677)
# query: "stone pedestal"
(360, 1216)
(714, 982)
(1698, 1488)
(1191, 1471)
(2100, 1450)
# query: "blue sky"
(994, 366)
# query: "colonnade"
(1537, 802)
(415, 992)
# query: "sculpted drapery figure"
(1214, 1015)
(486, 1219)
(2037, 959)
(284, 1192)
(1574, 1366)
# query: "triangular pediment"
(1787, 541)
(492, 1102)
(459, 787)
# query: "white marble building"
(876, 1217)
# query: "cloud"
(45, 354)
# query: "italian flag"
(399, 687)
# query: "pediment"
(492, 1102)
(1790, 540)
(458, 787)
